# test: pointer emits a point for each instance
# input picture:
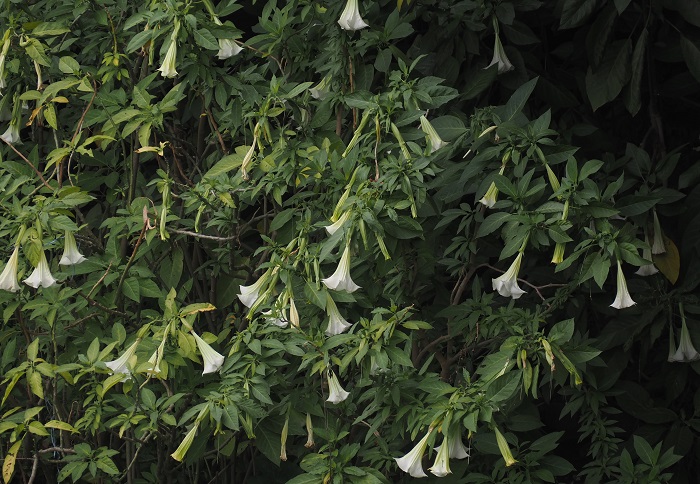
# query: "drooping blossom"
(309, 432)
(336, 392)
(41, 275)
(169, 66)
(248, 295)
(71, 255)
(8, 278)
(507, 284)
(350, 19)
(227, 47)
(499, 57)
(455, 447)
(647, 269)
(320, 90)
(622, 298)
(411, 462)
(686, 352)
(659, 247)
(212, 359)
(333, 228)
(341, 280)
(121, 364)
(435, 141)
(336, 324)
(441, 467)
(504, 448)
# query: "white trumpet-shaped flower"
(623, 298)
(350, 19)
(435, 141)
(71, 255)
(121, 364)
(168, 67)
(499, 57)
(341, 280)
(333, 228)
(8, 278)
(336, 393)
(491, 196)
(455, 447)
(278, 319)
(441, 467)
(686, 352)
(507, 284)
(11, 134)
(227, 47)
(320, 90)
(647, 269)
(658, 247)
(41, 276)
(212, 359)
(249, 294)
(336, 324)
(154, 364)
(411, 462)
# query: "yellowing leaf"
(669, 263)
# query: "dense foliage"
(349, 241)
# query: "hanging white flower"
(277, 319)
(658, 247)
(227, 47)
(350, 19)
(8, 278)
(341, 280)
(623, 298)
(507, 284)
(212, 359)
(293, 313)
(411, 462)
(647, 269)
(71, 255)
(336, 323)
(333, 228)
(500, 58)
(320, 90)
(686, 352)
(41, 276)
(441, 467)
(336, 392)
(249, 294)
(168, 67)
(120, 365)
(455, 447)
(435, 141)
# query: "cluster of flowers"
(41, 275)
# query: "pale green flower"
(647, 269)
(320, 90)
(3, 55)
(686, 352)
(504, 448)
(658, 247)
(186, 443)
(168, 68)
(350, 19)
(309, 432)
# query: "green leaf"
(604, 85)
(644, 450)
(492, 223)
(45, 29)
(139, 40)
(205, 39)
(517, 101)
(228, 163)
(130, 288)
(478, 80)
(633, 96)
(575, 13)
(449, 127)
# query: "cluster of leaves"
(490, 172)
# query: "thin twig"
(77, 131)
(41, 177)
